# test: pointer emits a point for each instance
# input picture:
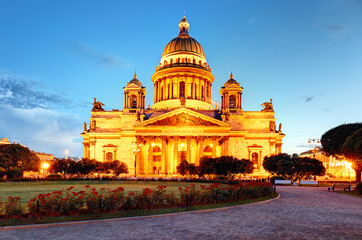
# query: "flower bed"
(90, 200)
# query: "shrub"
(359, 187)
(273, 178)
(54, 176)
(13, 206)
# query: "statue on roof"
(267, 106)
(85, 126)
(97, 106)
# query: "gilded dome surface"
(183, 43)
(136, 81)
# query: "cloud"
(308, 98)
(326, 109)
(22, 92)
(332, 30)
(41, 129)
(99, 57)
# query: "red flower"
(87, 186)
(131, 194)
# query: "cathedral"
(184, 123)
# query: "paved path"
(300, 213)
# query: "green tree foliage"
(335, 143)
(86, 166)
(352, 149)
(332, 141)
(293, 167)
(226, 166)
(15, 159)
(119, 168)
(187, 169)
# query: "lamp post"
(136, 149)
(66, 154)
(313, 141)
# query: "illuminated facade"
(341, 169)
(184, 123)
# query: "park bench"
(345, 186)
(283, 182)
(313, 183)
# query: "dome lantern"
(184, 27)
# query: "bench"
(345, 186)
(314, 183)
(283, 182)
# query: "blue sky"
(55, 56)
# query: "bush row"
(90, 200)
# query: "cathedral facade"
(184, 123)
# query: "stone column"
(85, 150)
(155, 93)
(188, 151)
(150, 155)
(176, 161)
(214, 147)
(226, 147)
(201, 151)
(163, 156)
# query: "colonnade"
(187, 86)
(128, 99)
(172, 151)
(225, 100)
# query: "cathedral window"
(156, 154)
(207, 152)
(207, 91)
(232, 101)
(168, 92)
(202, 93)
(162, 93)
(192, 90)
(182, 89)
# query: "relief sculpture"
(183, 119)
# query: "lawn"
(29, 190)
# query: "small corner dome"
(136, 81)
(231, 81)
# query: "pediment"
(182, 117)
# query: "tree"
(293, 167)
(15, 159)
(85, 166)
(227, 166)
(352, 149)
(186, 169)
(333, 144)
(119, 167)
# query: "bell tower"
(231, 96)
(134, 95)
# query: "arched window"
(255, 158)
(109, 157)
(202, 93)
(182, 89)
(162, 93)
(207, 91)
(232, 101)
(134, 101)
(192, 90)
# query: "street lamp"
(66, 154)
(313, 141)
(136, 149)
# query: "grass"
(29, 190)
(83, 217)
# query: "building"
(184, 123)
(339, 169)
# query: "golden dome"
(183, 42)
(135, 80)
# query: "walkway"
(300, 213)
